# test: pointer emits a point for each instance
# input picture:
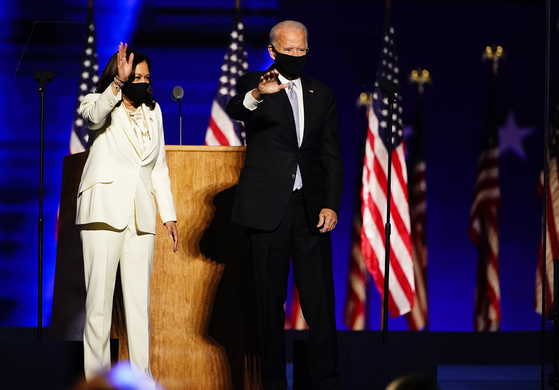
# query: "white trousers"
(103, 249)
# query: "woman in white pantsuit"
(126, 169)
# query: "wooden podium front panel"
(200, 296)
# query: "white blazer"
(115, 177)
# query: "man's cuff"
(250, 102)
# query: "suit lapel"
(122, 116)
(307, 104)
(285, 105)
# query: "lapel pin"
(311, 91)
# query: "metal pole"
(42, 77)
(389, 89)
(41, 224)
(545, 189)
(553, 377)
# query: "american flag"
(223, 130)
(417, 318)
(87, 81)
(552, 219)
(483, 227)
(295, 320)
(355, 307)
(374, 190)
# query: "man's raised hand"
(268, 84)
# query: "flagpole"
(388, 89)
(420, 77)
(418, 315)
(483, 223)
(553, 377)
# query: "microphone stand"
(389, 90)
(177, 94)
(42, 77)
(180, 122)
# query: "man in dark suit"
(288, 197)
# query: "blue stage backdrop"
(186, 41)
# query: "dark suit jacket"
(266, 180)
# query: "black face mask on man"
(136, 92)
(289, 66)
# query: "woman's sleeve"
(160, 177)
(96, 107)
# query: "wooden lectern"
(203, 320)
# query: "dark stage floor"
(464, 360)
(511, 377)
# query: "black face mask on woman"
(136, 92)
(289, 66)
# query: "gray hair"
(288, 25)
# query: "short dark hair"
(110, 71)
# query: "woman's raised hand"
(124, 67)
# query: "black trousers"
(311, 255)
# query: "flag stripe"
(483, 226)
(374, 197)
(215, 133)
(221, 127)
(381, 114)
(355, 309)
(552, 221)
(223, 130)
(296, 318)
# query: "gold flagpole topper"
(494, 53)
(420, 77)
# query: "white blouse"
(140, 128)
